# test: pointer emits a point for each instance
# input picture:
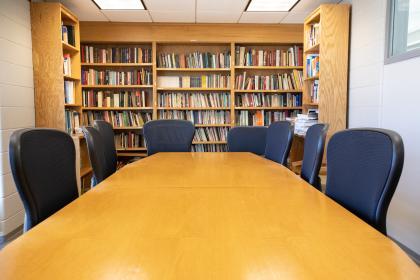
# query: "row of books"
(176, 99)
(315, 92)
(117, 118)
(194, 60)
(110, 77)
(72, 121)
(203, 134)
(268, 100)
(67, 34)
(69, 95)
(262, 118)
(209, 148)
(67, 64)
(269, 57)
(129, 139)
(129, 98)
(197, 117)
(312, 65)
(203, 81)
(280, 81)
(314, 34)
(96, 54)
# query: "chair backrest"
(247, 139)
(313, 153)
(43, 164)
(279, 141)
(364, 167)
(96, 150)
(168, 136)
(107, 133)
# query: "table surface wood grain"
(204, 216)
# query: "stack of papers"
(304, 121)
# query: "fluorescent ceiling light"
(270, 5)
(119, 4)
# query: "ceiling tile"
(127, 16)
(173, 16)
(225, 6)
(310, 5)
(262, 17)
(295, 17)
(170, 5)
(212, 16)
(85, 10)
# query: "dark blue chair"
(364, 167)
(97, 155)
(247, 139)
(168, 136)
(313, 153)
(43, 164)
(279, 141)
(106, 131)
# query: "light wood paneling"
(145, 32)
(211, 216)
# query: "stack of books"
(268, 100)
(312, 65)
(203, 81)
(194, 60)
(304, 121)
(109, 77)
(197, 100)
(281, 81)
(205, 134)
(118, 118)
(197, 117)
(94, 54)
(131, 98)
(269, 57)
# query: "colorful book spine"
(291, 56)
(126, 140)
(205, 134)
(97, 54)
(130, 98)
(110, 77)
(117, 118)
(209, 148)
(312, 65)
(262, 118)
(269, 100)
(281, 81)
(194, 60)
(197, 100)
(197, 117)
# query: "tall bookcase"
(326, 37)
(48, 51)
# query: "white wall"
(16, 99)
(387, 96)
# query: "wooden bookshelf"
(193, 69)
(333, 50)
(48, 50)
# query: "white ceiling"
(193, 11)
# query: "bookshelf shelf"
(116, 108)
(266, 91)
(311, 104)
(312, 78)
(208, 142)
(270, 67)
(132, 149)
(69, 48)
(132, 154)
(117, 86)
(69, 78)
(313, 49)
(128, 127)
(192, 89)
(117, 64)
(268, 108)
(85, 171)
(213, 125)
(72, 105)
(194, 69)
(193, 108)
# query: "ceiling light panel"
(271, 5)
(119, 4)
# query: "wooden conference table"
(204, 216)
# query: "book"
(197, 117)
(194, 60)
(268, 100)
(72, 121)
(67, 34)
(280, 81)
(209, 148)
(196, 100)
(67, 64)
(129, 139)
(291, 56)
(69, 95)
(112, 98)
(312, 65)
(205, 134)
(253, 117)
(117, 118)
(314, 34)
(203, 81)
(111, 77)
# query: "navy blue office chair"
(97, 155)
(279, 141)
(313, 153)
(107, 133)
(247, 139)
(364, 167)
(168, 136)
(43, 164)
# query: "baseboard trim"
(10, 236)
(413, 255)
